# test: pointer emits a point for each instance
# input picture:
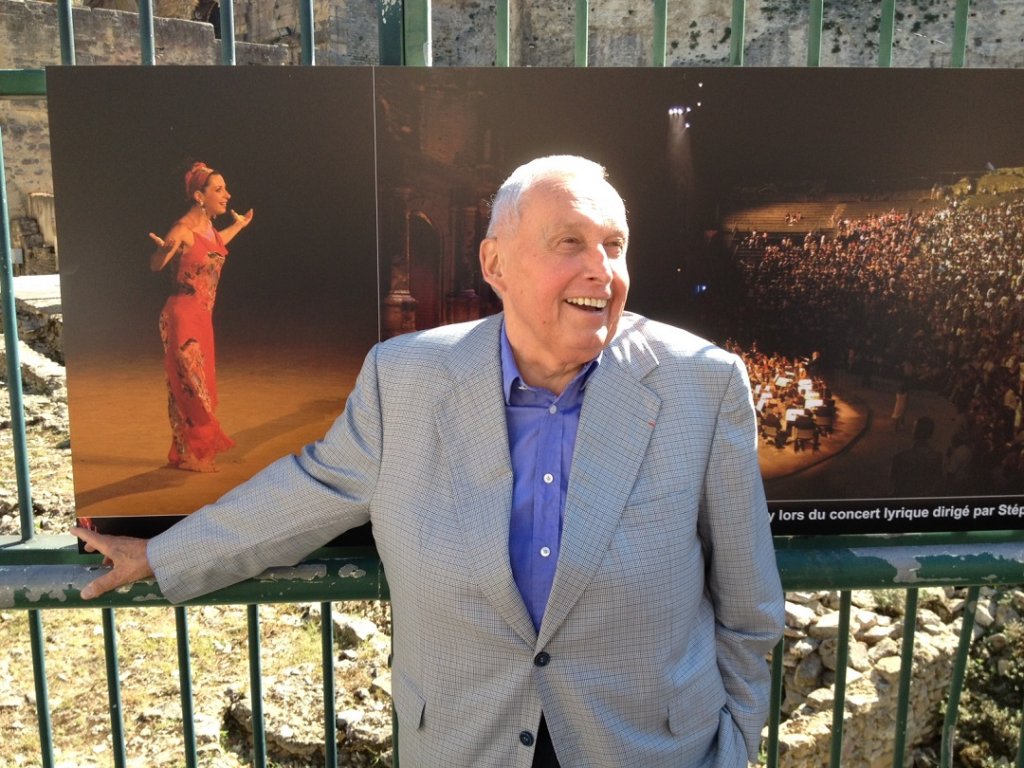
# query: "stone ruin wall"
(872, 682)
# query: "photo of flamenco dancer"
(190, 344)
(193, 253)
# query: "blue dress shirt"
(541, 437)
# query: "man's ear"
(491, 264)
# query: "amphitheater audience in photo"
(934, 300)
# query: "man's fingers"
(126, 555)
(104, 583)
(124, 571)
(91, 539)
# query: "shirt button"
(526, 739)
(542, 659)
(545, 552)
(549, 478)
(552, 409)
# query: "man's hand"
(125, 554)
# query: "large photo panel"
(856, 235)
(263, 344)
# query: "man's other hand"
(126, 555)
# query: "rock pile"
(48, 443)
(810, 663)
(872, 675)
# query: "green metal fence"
(42, 573)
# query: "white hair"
(505, 206)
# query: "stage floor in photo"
(120, 432)
(856, 460)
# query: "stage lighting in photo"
(678, 147)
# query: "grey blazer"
(666, 596)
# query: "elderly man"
(567, 503)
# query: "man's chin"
(590, 348)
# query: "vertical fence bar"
(259, 733)
(659, 50)
(35, 619)
(957, 683)
(113, 687)
(899, 747)
(739, 15)
(15, 392)
(390, 33)
(185, 678)
(886, 26)
(1020, 746)
(775, 716)
(66, 24)
(227, 32)
(963, 8)
(419, 51)
(330, 714)
(502, 31)
(842, 660)
(814, 33)
(394, 714)
(36, 640)
(582, 28)
(146, 32)
(306, 29)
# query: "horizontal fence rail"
(45, 573)
(48, 573)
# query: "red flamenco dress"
(186, 329)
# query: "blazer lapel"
(471, 422)
(616, 424)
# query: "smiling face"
(214, 196)
(561, 274)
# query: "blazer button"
(526, 739)
(542, 659)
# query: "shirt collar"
(510, 371)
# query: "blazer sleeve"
(282, 513)
(742, 574)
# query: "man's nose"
(598, 262)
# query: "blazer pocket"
(672, 509)
(696, 715)
(409, 702)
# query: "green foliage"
(990, 708)
(891, 602)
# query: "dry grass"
(150, 690)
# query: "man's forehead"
(575, 200)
